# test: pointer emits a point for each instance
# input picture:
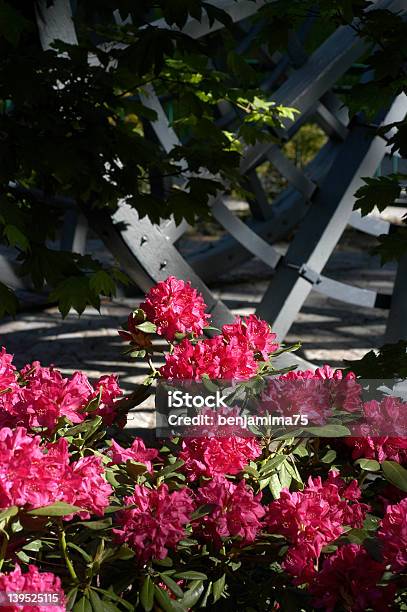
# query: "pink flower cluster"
(8, 380)
(33, 581)
(212, 456)
(156, 523)
(388, 420)
(137, 452)
(253, 333)
(236, 512)
(33, 475)
(232, 355)
(213, 357)
(43, 396)
(175, 307)
(313, 518)
(313, 394)
(349, 581)
(393, 536)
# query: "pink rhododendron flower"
(157, 523)
(7, 372)
(349, 581)
(312, 518)
(111, 391)
(379, 448)
(190, 361)
(253, 332)
(236, 361)
(137, 452)
(212, 357)
(23, 479)
(382, 434)
(91, 491)
(236, 512)
(9, 389)
(393, 535)
(175, 307)
(33, 475)
(313, 394)
(45, 396)
(33, 581)
(211, 456)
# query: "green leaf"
(80, 550)
(391, 246)
(264, 482)
(108, 606)
(252, 472)
(102, 282)
(74, 292)
(329, 431)
(356, 536)
(23, 557)
(209, 384)
(202, 511)
(218, 587)
(147, 327)
(169, 469)
(165, 602)
(379, 191)
(12, 511)
(395, 474)
(135, 354)
(8, 301)
(172, 585)
(284, 476)
(97, 604)
(191, 597)
(135, 468)
(71, 597)
(272, 464)
(147, 594)
(34, 546)
(96, 525)
(390, 361)
(82, 605)
(329, 456)
(369, 465)
(275, 486)
(16, 238)
(191, 575)
(110, 594)
(57, 509)
(371, 522)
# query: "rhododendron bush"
(224, 519)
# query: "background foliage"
(86, 140)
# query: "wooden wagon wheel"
(318, 200)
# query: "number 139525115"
(30, 599)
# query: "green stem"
(64, 550)
(4, 544)
(152, 368)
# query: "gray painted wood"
(397, 322)
(325, 222)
